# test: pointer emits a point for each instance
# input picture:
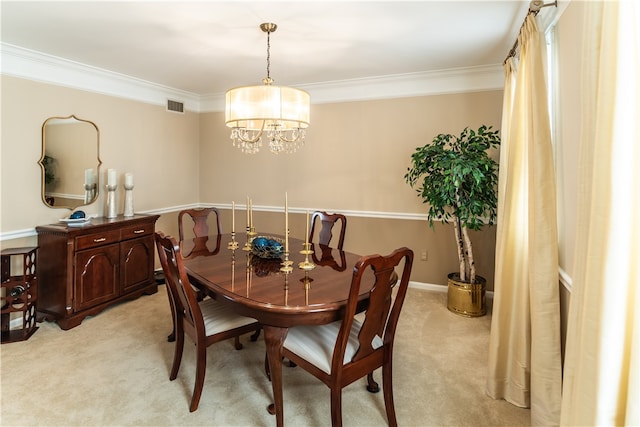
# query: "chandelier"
(280, 113)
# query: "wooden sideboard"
(83, 270)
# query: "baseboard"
(437, 288)
(428, 286)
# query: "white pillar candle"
(250, 213)
(128, 179)
(111, 177)
(233, 217)
(248, 223)
(87, 176)
(306, 236)
(286, 222)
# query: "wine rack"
(19, 294)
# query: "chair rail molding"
(29, 232)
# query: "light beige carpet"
(113, 370)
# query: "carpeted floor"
(113, 370)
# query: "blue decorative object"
(77, 215)
(260, 242)
(267, 247)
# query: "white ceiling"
(207, 47)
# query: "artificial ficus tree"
(458, 179)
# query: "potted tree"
(455, 176)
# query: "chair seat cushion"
(220, 317)
(316, 343)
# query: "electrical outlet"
(424, 256)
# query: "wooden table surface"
(257, 288)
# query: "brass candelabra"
(287, 263)
(251, 234)
(306, 265)
(233, 244)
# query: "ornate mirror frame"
(70, 162)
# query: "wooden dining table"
(255, 287)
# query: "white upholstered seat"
(220, 317)
(317, 343)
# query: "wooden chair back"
(381, 317)
(325, 233)
(351, 359)
(188, 315)
(203, 234)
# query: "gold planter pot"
(466, 299)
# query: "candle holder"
(286, 264)
(128, 199)
(232, 245)
(306, 265)
(111, 201)
(251, 234)
(89, 193)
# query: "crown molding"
(32, 65)
(455, 80)
(37, 66)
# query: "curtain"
(602, 368)
(524, 353)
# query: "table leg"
(274, 338)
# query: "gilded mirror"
(70, 162)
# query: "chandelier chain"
(269, 56)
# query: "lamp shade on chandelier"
(280, 113)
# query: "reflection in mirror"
(70, 162)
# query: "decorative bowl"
(267, 247)
(77, 215)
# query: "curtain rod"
(534, 9)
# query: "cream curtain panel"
(524, 353)
(602, 368)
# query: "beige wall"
(134, 137)
(355, 156)
(354, 161)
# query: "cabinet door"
(136, 260)
(96, 276)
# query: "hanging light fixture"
(279, 112)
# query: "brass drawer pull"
(102, 239)
(138, 231)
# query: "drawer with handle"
(137, 231)
(97, 239)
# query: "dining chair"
(198, 245)
(341, 352)
(205, 322)
(206, 224)
(325, 234)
